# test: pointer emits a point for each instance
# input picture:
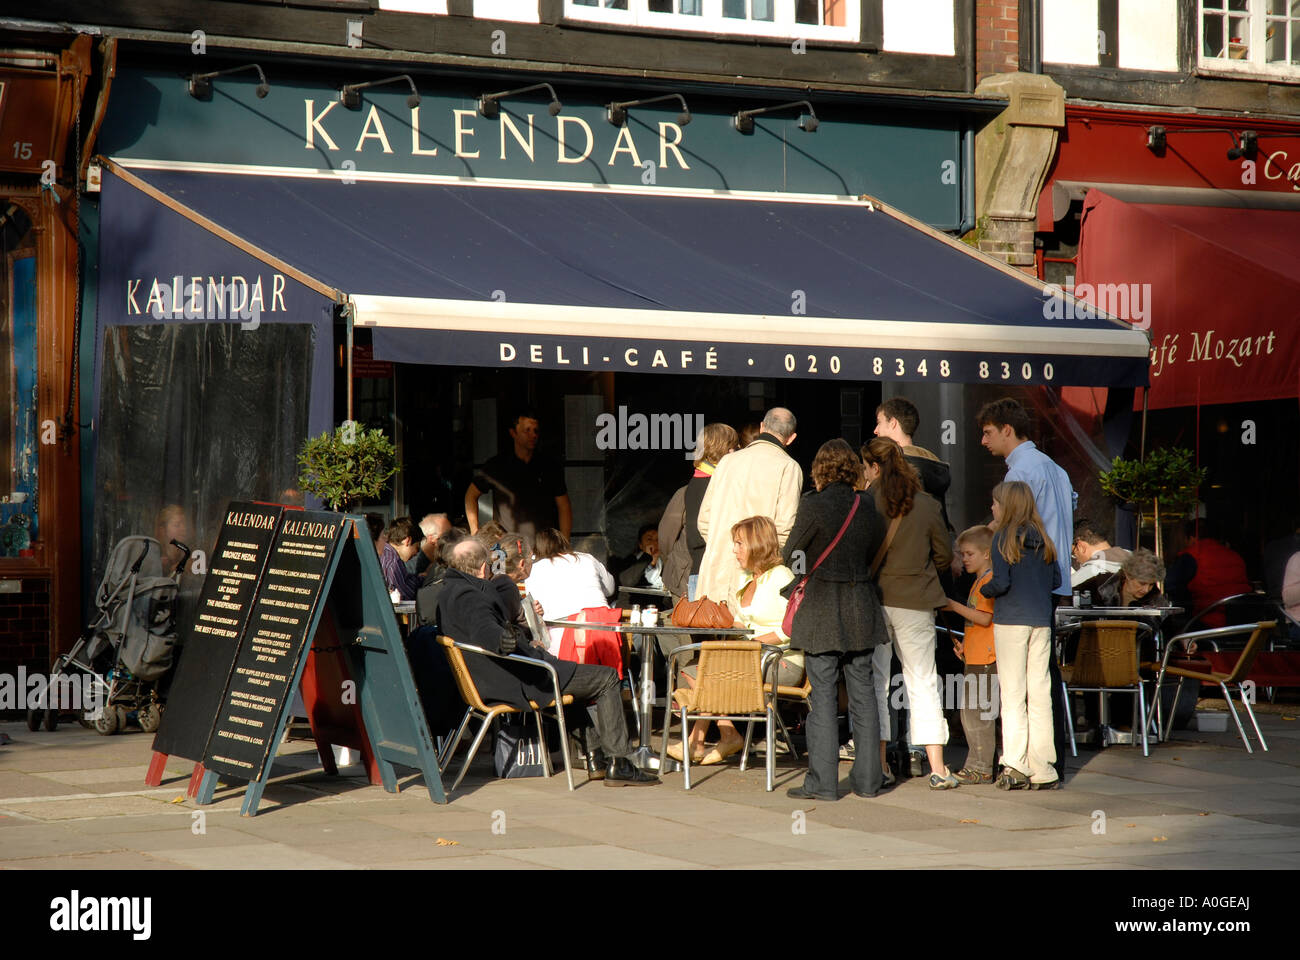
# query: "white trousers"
(1027, 743)
(913, 634)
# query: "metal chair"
(773, 654)
(728, 686)
(1259, 633)
(477, 708)
(1107, 662)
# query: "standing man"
(529, 493)
(1004, 427)
(898, 418)
(762, 480)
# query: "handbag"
(517, 752)
(797, 594)
(703, 613)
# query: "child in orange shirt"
(980, 705)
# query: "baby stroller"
(122, 655)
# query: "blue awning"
(617, 279)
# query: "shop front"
(437, 264)
(1190, 228)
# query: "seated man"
(1093, 555)
(433, 526)
(392, 559)
(645, 568)
(472, 609)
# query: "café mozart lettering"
(1205, 346)
(1275, 169)
(470, 135)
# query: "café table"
(644, 756)
(1154, 616)
(404, 610)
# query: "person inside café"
(529, 493)
(1093, 555)
(472, 609)
(645, 568)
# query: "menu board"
(277, 634)
(225, 605)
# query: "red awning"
(1218, 286)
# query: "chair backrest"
(729, 678)
(1247, 659)
(1108, 654)
(460, 670)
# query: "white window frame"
(1254, 65)
(783, 25)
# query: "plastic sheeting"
(191, 417)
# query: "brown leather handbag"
(703, 613)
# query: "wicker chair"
(1106, 662)
(728, 686)
(1259, 634)
(487, 713)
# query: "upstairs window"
(808, 19)
(1260, 37)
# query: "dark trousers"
(824, 670)
(595, 682)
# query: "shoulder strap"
(847, 521)
(884, 547)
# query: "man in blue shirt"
(1004, 424)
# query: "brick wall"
(25, 627)
(997, 37)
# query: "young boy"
(979, 709)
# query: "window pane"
(1238, 4)
(616, 4)
(692, 8)
(734, 9)
(807, 11)
(1275, 41)
(1239, 38)
(1277, 6)
(661, 6)
(1295, 43)
(762, 9)
(1212, 44)
(1213, 4)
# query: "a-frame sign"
(319, 597)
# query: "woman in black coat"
(840, 620)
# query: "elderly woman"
(837, 533)
(1136, 583)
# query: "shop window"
(19, 429)
(191, 416)
(1259, 37)
(807, 19)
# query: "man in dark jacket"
(898, 418)
(472, 610)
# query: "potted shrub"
(1165, 481)
(346, 467)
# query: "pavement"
(71, 799)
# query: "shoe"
(887, 778)
(848, 751)
(1011, 779)
(621, 773)
(596, 764)
(1049, 785)
(720, 753)
(939, 781)
(799, 793)
(675, 752)
(761, 747)
(968, 776)
(917, 763)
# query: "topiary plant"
(1166, 480)
(347, 466)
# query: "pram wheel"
(149, 716)
(107, 722)
(51, 719)
(34, 718)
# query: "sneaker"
(968, 776)
(917, 762)
(847, 751)
(888, 778)
(1049, 785)
(1011, 779)
(939, 781)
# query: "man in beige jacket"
(762, 480)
